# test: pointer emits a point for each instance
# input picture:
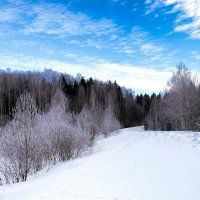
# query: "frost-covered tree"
(19, 149)
(181, 102)
(63, 137)
(109, 122)
(179, 108)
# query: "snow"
(131, 164)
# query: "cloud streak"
(54, 19)
(57, 20)
(139, 41)
(188, 17)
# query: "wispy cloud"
(188, 14)
(79, 29)
(53, 19)
(195, 55)
(152, 5)
(58, 20)
(14, 11)
(8, 14)
(139, 41)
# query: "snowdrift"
(132, 164)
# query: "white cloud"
(135, 77)
(152, 5)
(149, 48)
(58, 20)
(139, 41)
(148, 1)
(188, 18)
(79, 29)
(9, 14)
(53, 19)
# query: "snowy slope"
(130, 165)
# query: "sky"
(135, 42)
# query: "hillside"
(129, 165)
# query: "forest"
(81, 94)
(47, 117)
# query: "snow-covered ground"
(129, 165)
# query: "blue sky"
(135, 42)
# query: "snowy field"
(129, 165)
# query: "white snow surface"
(131, 164)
